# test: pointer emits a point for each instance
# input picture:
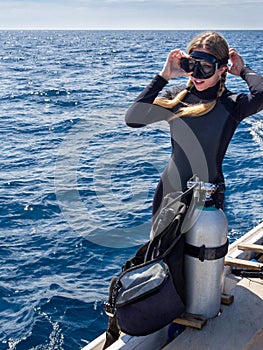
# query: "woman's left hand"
(237, 62)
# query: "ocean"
(77, 184)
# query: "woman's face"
(203, 84)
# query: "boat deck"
(239, 326)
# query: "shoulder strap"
(138, 258)
(163, 244)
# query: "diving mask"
(202, 64)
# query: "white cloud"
(181, 2)
(128, 14)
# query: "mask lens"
(192, 64)
(203, 70)
(184, 63)
(205, 64)
(207, 67)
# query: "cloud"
(129, 14)
(181, 2)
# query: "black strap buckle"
(204, 253)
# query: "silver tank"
(204, 279)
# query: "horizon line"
(134, 29)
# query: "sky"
(131, 14)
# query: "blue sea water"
(76, 183)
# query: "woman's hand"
(237, 62)
(171, 68)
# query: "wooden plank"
(251, 247)
(227, 299)
(190, 320)
(243, 263)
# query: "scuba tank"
(206, 244)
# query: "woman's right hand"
(172, 68)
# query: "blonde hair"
(217, 46)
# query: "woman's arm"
(143, 111)
(253, 102)
(247, 104)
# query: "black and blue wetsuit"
(199, 143)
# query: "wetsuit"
(198, 143)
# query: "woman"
(203, 116)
